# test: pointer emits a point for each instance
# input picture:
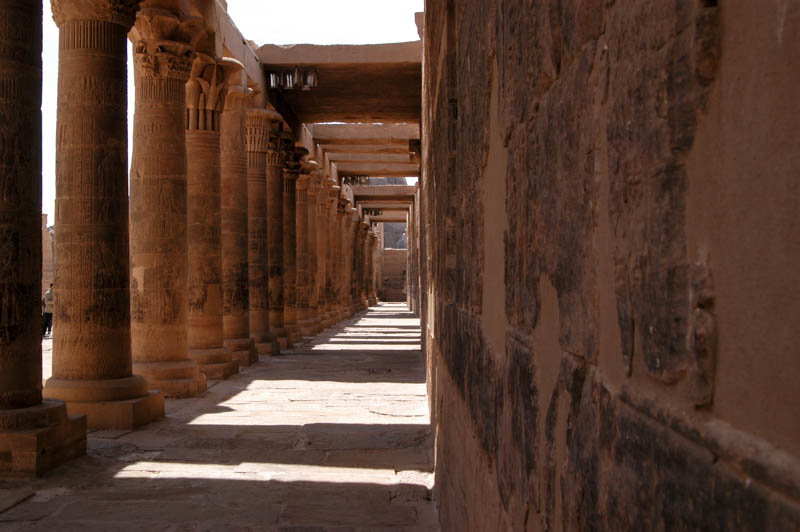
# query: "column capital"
(334, 191)
(162, 44)
(237, 98)
(120, 12)
(206, 90)
(260, 124)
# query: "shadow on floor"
(320, 438)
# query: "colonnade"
(236, 242)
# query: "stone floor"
(332, 435)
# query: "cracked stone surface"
(333, 435)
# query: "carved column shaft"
(333, 255)
(303, 281)
(205, 96)
(276, 159)
(290, 174)
(322, 225)
(20, 205)
(35, 435)
(235, 276)
(313, 249)
(259, 124)
(92, 365)
(158, 210)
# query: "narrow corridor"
(335, 433)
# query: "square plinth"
(268, 348)
(285, 343)
(36, 451)
(128, 414)
(246, 357)
(220, 371)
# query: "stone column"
(338, 261)
(373, 278)
(364, 266)
(35, 435)
(162, 59)
(314, 229)
(332, 255)
(322, 225)
(276, 160)
(92, 366)
(205, 97)
(290, 174)
(351, 221)
(259, 124)
(304, 286)
(235, 278)
(358, 259)
(341, 277)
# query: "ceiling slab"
(356, 83)
(373, 204)
(374, 170)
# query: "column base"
(109, 403)
(317, 323)
(284, 343)
(216, 363)
(177, 379)
(281, 334)
(306, 327)
(373, 301)
(127, 414)
(293, 332)
(37, 439)
(267, 345)
(243, 350)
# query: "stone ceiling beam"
(385, 169)
(385, 204)
(384, 191)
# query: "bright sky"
(278, 22)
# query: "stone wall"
(395, 264)
(608, 245)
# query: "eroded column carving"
(235, 277)
(275, 161)
(372, 294)
(205, 99)
(162, 61)
(322, 226)
(92, 366)
(306, 246)
(35, 435)
(259, 124)
(351, 243)
(332, 253)
(315, 195)
(291, 172)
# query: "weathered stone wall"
(395, 263)
(609, 240)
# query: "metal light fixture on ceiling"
(309, 79)
(295, 78)
(275, 80)
(289, 79)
